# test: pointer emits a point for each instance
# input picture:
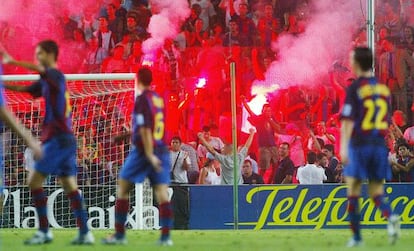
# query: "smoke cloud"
(305, 59)
(23, 23)
(165, 23)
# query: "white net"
(101, 109)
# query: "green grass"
(284, 240)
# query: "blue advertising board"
(292, 206)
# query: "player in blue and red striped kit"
(364, 125)
(59, 143)
(149, 157)
(8, 119)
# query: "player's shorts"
(59, 156)
(136, 167)
(368, 162)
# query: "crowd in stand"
(297, 134)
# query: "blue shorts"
(368, 162)
(136, 168)
(59, 156)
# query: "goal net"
(101, 108)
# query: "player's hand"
(155, 162)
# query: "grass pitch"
(249, 240)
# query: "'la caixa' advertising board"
(292, 206)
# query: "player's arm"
(8, 118)
(17, 88)
(7, 59)
(148, 143)
(347, 127)
(207, 145)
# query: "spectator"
(218, 36)
(311, 174)
(214, 142)
(193, 171)
(268, 27)
(180, 162)
(136, 32)
(388, 66)
(116, 24)
(403, 168)
(68, 25)
(333, 162)
(226, 159)
(142, 14)
(94, 57)
(249, 177)
(207, 13)
(294, 139)
(208, 174)
(383, 36)
(119, 10)
(399, 125)
(266, 127)
(106, 39)
(323, 163)
(135, 59)
(115, 63)
(189, 24)
(322, 134)
(285, 168)
(234, 37)
(196, 37)
(127, 43)
(245, 24)
(407, 40)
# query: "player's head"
(267, 110)
(247, 168)
(361, 60)
(144, 77)
(311, 157)
(47, 52)
(176, 143)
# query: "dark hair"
(248, 161)
(176, 138)
(286, 143)
(321, 142)
(311, 157)
(50, 47)
(364, 57)
(404, 144)
(330, 148)
(320, 156)
(206, 128)
(145, 76)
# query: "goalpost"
(101, 108)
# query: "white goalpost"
(101, 108)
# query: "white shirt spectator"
(409, 135)
(177, 163)
(311, 174)
(215, 142)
